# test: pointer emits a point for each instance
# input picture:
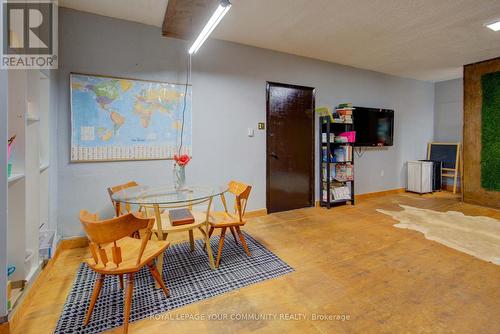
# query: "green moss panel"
(490, 132)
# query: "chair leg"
(158, 236)
(209, 249)
(234, 234)
(221, 245)
(191, 240)
(128, 302)
(158, 279)
(95, 294)
(243, 242)
(209, 235)
(120, 277)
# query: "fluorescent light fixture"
(495, 26)
(210, 26)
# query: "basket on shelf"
(350, 135)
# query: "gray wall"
(448, 111)
(229, 83)
(448, 114)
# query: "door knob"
(274, 155)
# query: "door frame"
(312, 176)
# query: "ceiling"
(149, 12)
(422, 39)
(185, 19)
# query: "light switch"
(250, 132)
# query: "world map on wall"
(126, 119)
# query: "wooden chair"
(117, 205)
(109, 239)
(225, 220)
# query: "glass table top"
(150, 195)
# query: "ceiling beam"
(184, 19)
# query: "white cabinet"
(419, 176)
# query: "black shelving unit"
(330, 128)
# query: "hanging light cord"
(188, 79)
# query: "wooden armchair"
(109, 239)
(117, 205)
(225, 220)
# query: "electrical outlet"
(262, 126)
(382, 173)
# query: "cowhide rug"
(476, 236)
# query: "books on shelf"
(342, 172)
(338, 191)
(324, 137)
(341, 138)
(338, 154)
(343, 113)
(342, 154)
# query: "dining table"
(155, 201)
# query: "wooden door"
(290, 147)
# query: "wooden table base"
(163, 236)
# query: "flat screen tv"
(373, 126)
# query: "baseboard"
(71, 243)
(256, 213)
(449, 187)
(372, 195)
(379, 193)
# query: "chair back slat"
(94, 250)
(104, 232)
(103, 256)
(118, 205)
(146, 237)
(117, 254)
(241, 191)
(244, 206)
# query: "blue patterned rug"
(188, 277)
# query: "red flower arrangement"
(182, 160)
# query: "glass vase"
(179, 177)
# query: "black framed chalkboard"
(449, 156)
(444, 152)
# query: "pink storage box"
(350, 135)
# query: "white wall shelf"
(31, 118)
(28, 186)
(32, 114)
(14, 177)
